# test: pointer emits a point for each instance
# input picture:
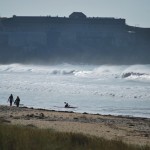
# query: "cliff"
(77, 38)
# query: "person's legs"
(17, 104)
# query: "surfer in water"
(66, 105)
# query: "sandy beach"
(132, 130)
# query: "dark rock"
(85, 113)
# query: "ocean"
(105, 89)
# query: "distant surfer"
(17, 101)
(66, 105)
(11, 99)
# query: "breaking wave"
(134, 72)
(137, 72)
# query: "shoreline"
(84, 112)
(64, 111)
(133, 130)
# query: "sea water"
(105, 89)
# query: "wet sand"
(132, 130)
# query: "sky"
(136, 12)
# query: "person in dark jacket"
(17, 101)
(66, 105)
(11, 99)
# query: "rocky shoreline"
(134, 130)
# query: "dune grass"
(29, 138)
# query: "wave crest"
(83, 71)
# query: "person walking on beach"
(11, 99)
(17, 101)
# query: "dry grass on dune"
(30, 138)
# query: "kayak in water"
(68, 106)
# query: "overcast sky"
(136, 12)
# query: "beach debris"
(41, 116)
(2, 120)
(31, 126)
(85, 113)
(30, 115)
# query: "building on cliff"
(76, 38)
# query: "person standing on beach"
(17, 101)
(11, 99)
